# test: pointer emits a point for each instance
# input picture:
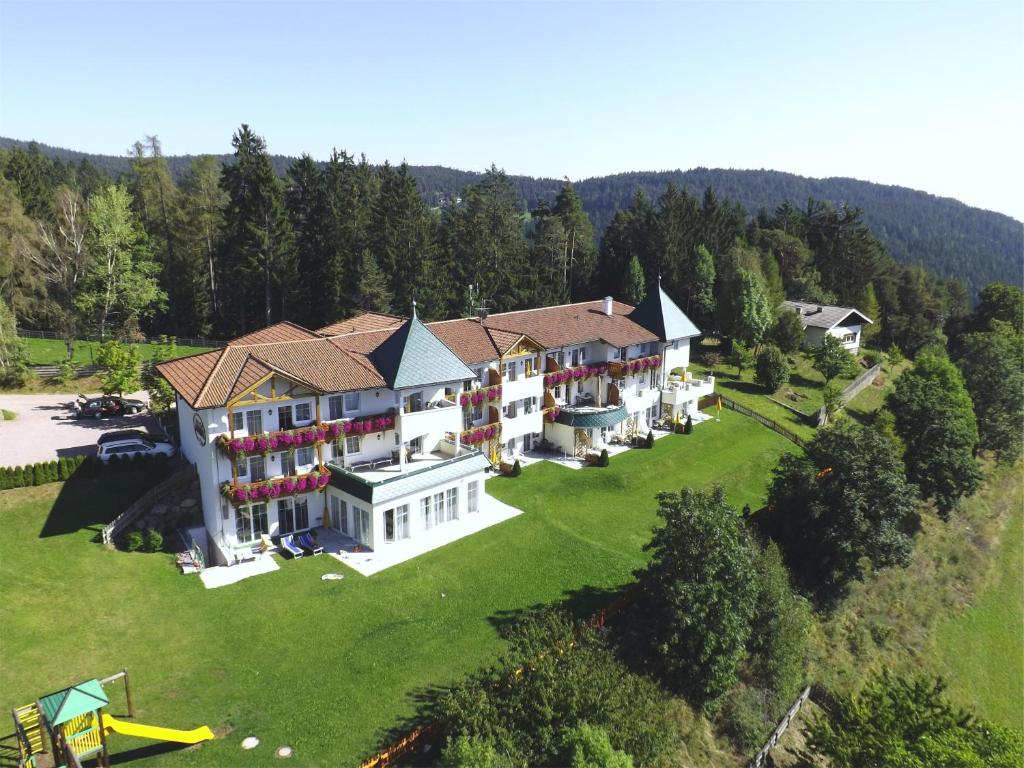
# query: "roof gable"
(413, 357)
(825, 315)
(663, 317)
(71, 702)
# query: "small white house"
(845, 323)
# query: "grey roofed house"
(662, 316)
(414, 357)
(825, 316)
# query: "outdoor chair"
(306, 542)
(288, 544)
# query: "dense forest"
(229, 247)
(941, 234)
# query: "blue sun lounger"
(288, 545)
(306, 542)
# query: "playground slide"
(156, 733)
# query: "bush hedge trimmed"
(63, 468)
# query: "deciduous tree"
(992, 363)
(830, 358)
(119, 364)
(771, 370)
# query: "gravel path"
(45, 428)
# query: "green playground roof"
(65, 705)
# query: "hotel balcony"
(521, 388)
(678, 392)
(436, 417)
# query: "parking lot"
(45, 428)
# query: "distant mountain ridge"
(942, 234)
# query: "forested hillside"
(941, 234)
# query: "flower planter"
(244, 493)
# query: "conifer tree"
(403, 234)
(310, 217)
(257, 252)
(202, 219)
(634, 290)
(869, 306)
(580, 253)
(374, 295)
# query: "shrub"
(649, 442)
(788, 331)
(743, 718)
(4, 479)
(688, 426)
(771, 370)
(603, 461)
(589, 747)
(517, 469)
(712, 359)
(38, 474)
(133, 541)
(65, 372)
(894, 353)
(154, 540)
(873, 357)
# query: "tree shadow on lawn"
(93, 497)
(582, 604)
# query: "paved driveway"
(45, 428)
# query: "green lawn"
(982, 650)
(803, 392)
(53, 352)
(332, 668)
(8, 415)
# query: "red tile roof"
(574, 324)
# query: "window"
(576, 357)
(303, 412)
(473, 496)
(257, 469)
(335, 407)
(529, 404)
(339, 514)
(558, 391)
(287, 463)
(416, 445)
(560, 358)
(237, 421)
(249, 524)
(352, 444)
(304, 456)
(654, 377)
(453, 504)
(438, 508)
(285, 516)
(301, 515)
(361, 528)
(351, 402)
(622, 354)
(254, 421)
(284, 417)
(848, 338)
(510, 410)
(225, 510)
(510, 371)
(478, 412)
(428, 521)
(396, 523)
(583, 354)
(467, 419)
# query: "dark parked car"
(106, 407)
(132, 434)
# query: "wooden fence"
(181, 340)
(51, 371)
(773, 425)
(762, 755)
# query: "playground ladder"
(30, 733)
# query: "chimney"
(608, 306)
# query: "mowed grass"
(982, 650)
(334, 669)
(53, 351)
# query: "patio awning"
(589, 418)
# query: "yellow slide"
(156, 733)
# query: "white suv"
(129, 448)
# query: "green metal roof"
(587, 419)
(414, 357)
(65, 705)
(662, 317)
(411, 481)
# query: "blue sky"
(921, 94)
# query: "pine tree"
(579, 253)
(202, 220)
(634, 290)
(402, 234)
(869, 306)
(257, 261)
(310, 217)
(374, 295)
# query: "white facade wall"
(676, 355)
(417, 528)
(814, 336)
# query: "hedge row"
(63, 468)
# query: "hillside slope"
(942, 234)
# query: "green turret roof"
(662, 317)
(65, 705)
(414, 357)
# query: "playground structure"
(71, 724)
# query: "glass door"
(389, 525)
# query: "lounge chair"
(266, 544)
(288, 545)
(306, 542)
